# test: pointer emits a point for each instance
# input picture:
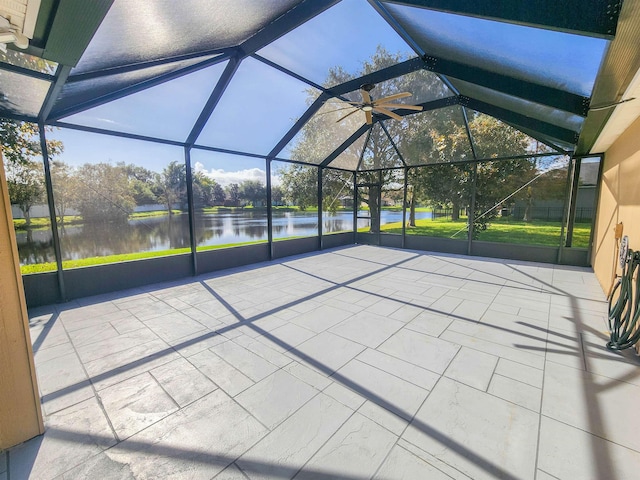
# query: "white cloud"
(106, 120)
(225, 178)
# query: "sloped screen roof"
(286, 74)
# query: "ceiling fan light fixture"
(367, 108)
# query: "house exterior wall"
(619, 201)
(20, 415)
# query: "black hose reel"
(624, 311)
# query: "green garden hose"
(624, 312)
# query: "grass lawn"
(124, 257)
(154, 213)
(39, 223)
(502, 231)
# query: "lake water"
(165, 233)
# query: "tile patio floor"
(355, 363)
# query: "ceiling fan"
(381, 105)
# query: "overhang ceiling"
(537, 65)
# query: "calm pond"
(165, 233)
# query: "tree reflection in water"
(172, 232)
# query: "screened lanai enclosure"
(183, 139)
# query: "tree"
(335, 185)
(22, 152)
(300, 185)
(233, 194)
(170, 186)
(437, 138)
(21, 142)
(64, 188)
(218, 194)
(206, 191)
(318, 137)
(141, 183)
(25, 181)
(452, 184)
(253, 192)
(103, 193)
(27, 61)
(277, 195)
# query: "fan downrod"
(367, 87)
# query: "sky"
(261, 104)
(257, 109)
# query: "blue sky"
(258, 108)
(261, 103)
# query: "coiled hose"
(624, 312)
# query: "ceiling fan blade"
(369, 117)
(393, 97)
(347, 115)
(417, 108)
(354, 103)
(366, 98)
(388, 113)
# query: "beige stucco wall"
(619, 201)
(20, 415)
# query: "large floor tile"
(367, 328)
(356, 450)
(400, 368)
(72, 436)
(196, 343)
(326, 352)
(292, 334)
(269, 372)
(232, 472)
(136, 403)
(224, 375)
(514, 354)
(517, 392)
(151, 309)
(59, 372)
(276, 397)
(73, 313)
(250, 364)
(620, 365)
(100, 466)
(599, 405)
(472, 368)
(196, 442)
(388, 391)
(430, 323)
(286, 449)
(93, 334)
(182, 381)
(118, 366)
(174, 325)
(518, 371)
(569, 319)
(109, 346)
(46, 333)
(403, 465)
(266, 346)
(421, 350)
(569, 453)
(310, 376)
(321, 318)
(478, 434)
(383, 417)
(513, 335)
